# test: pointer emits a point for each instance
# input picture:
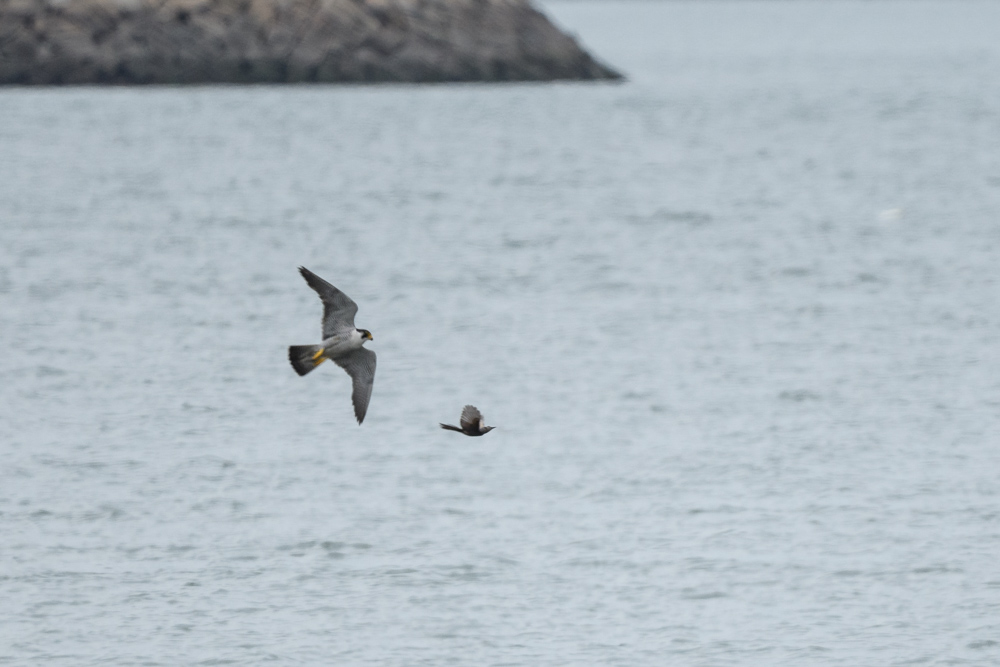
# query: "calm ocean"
(737, 321)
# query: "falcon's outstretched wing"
(338, 309)
(360, 365)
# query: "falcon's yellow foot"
(318, 358)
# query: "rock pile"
(269, 41)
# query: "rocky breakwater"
(46, 42)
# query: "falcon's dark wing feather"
(338, 309)
(360, 365)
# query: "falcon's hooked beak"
(369, 336)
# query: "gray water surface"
(736, 320)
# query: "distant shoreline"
(141, 42)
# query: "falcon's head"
(366, 334)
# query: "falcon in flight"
(342, 342)
(472, 422)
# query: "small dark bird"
(472, 422)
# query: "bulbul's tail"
(449, 427)
(304, 358)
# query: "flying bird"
(342, 342)
(472, 422)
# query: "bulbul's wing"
(360, 365)
(338, 309)
(471, 418)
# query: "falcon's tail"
(449, 427)
(304, 358)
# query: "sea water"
(736, 320)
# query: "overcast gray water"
(736, 321)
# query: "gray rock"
(46, 42)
